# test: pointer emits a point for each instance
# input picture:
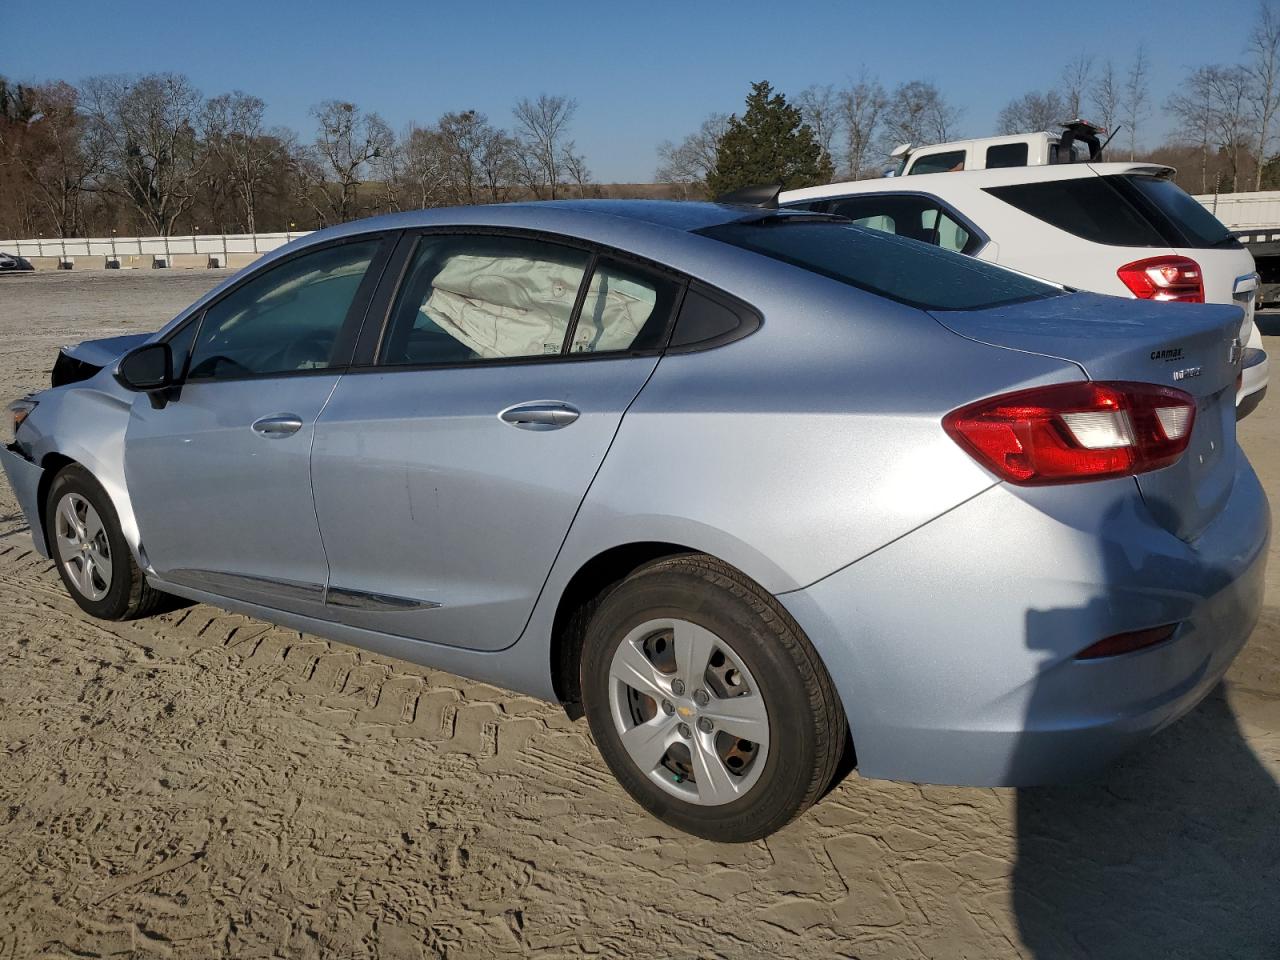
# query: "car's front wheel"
(89, 549)
(707, 701)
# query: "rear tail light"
(1073, 432)
(1164, 278)
(1127, 642)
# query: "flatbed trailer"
(1254, 219)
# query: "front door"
(446, 477)
(219, 476)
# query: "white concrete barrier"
(213, 250)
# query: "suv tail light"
(1164, 278)
(1073, 432)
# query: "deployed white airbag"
(516, 307)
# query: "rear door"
(447, 472)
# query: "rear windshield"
(1128, 210)
(1087, 207)
(918, 274)
(1199, 228)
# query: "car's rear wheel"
(707, 701)
(89, 549)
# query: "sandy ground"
(201, 784)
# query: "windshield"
(908, 271)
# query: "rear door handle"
(540, 415)
(281, 425)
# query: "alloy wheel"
(688, 711)
(83, 547)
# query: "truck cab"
(1077, 143)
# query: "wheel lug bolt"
(701, 697)
(705, 724)
(685, 731)
(667, 708)
(677, 687)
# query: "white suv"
(1119, 228)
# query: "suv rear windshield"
(1158, 198)
(1087, 207)
(917, 274)
(1127, 210)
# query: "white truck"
(1078, 142)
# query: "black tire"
(128, 595)
(807, 726)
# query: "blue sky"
(641, 73)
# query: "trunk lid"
(1192, 347)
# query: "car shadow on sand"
(1174, 852)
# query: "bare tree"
(575, 165)
(424, 174)
(51, 145)
(690, 162)
(542, 126)
(1137, 93)
(1106, 97)
(862, 106)
(918, 112)
(462, 136)
(1228, 89)
(347, 140)
(1264, 72)
(820, 107)
(248, 152)
(1033, 111)
(153, 154)
(498, 164)
(1075, 86)
(1193, 105)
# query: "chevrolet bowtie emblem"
(685, 711)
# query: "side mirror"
(146, 369)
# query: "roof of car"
(940, 183)
(561, 216)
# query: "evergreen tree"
(770, 143)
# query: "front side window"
(950, 161)
(909, 272)
(285, 320)
(474, 298)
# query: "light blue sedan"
(757, 491)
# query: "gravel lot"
(204, 784)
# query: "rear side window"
(1007, 155)
(474, 298)
(1087, 207)
(939, 162)
(626, 308)
(903, 270)
(916, 217)
(1162, 200)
